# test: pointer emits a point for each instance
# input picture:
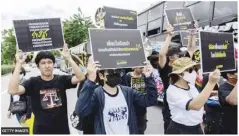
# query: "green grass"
(5, 69)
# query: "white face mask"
(190, 77)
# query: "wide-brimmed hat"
(182, 64)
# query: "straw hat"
(182, 64)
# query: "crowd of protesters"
(109, 102)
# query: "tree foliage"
(76, 29)
(8, 49)
(56, 52)
(75, 32)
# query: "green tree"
(76, 29)
(56, 52)
(8, 49)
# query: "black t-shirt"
(229, 117)
(164, 75)
(138, 84)
(165, 79)
(49, 102)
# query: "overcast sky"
(30, 9)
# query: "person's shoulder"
(171, 86)
(129, 74)
(172, 89)
(30, 80)
(57, 76)
(225, 87)
(33, 79)
(166, 67)
(193, 88)
(99, 88)
(125, 88)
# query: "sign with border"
(38, 34)
(117, 48)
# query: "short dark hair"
(224, 74)
(173, 78)
(173, 50)
(44, 55)
(110, 71)
(101, 82)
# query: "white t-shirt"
(116, 113)
(178, 99)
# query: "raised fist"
(214, 77)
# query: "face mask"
(113, 79)
(190, 77)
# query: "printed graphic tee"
(138, 84)
(158, 81)
(116, 113)
(48, 98)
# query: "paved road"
(154, 114)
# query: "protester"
(185, 102)
(166, 58)
(85, 124)
(21, 116)
(139, 84)
(47, 91)
(213, 109)
(154, 61)
(228, 100)
(113, 104)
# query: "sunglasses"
(190, 70)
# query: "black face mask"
(113, 79)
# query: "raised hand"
(169, 28)
(148, 69)
(196, 25)
(65, 52)
(92, 69)
(20, 57)
(214, 77)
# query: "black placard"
(196, 56)
(185, 36)
(115, 48)
(115, 18)
(217, 51)
(39, 34)
(180, 19)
